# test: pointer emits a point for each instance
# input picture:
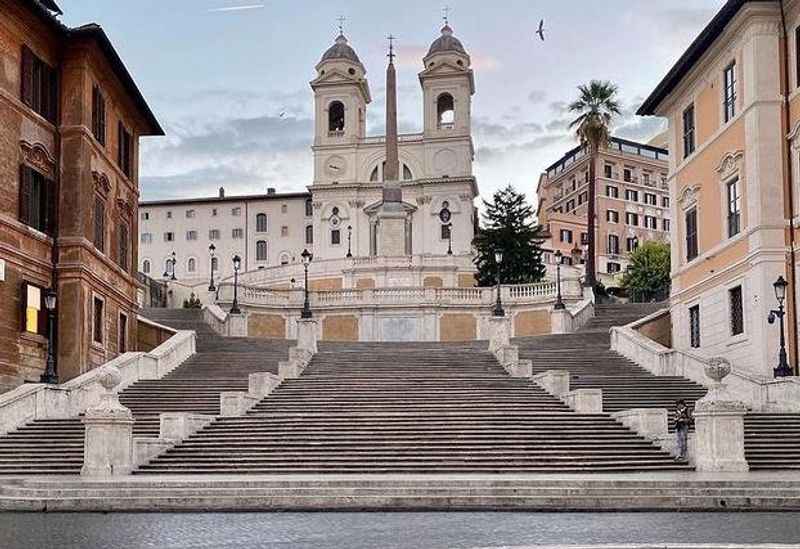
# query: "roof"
(341, 50)
(615, 140)
(446, 42)
(222, 199)
(45, 9)
(692, 55)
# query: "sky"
(218, 78)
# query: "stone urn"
(109, 406)
(718, 395)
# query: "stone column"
(108, 443)
(499, 332)
(560, 321)
(237, 325)
(307, 335)
(719, 425)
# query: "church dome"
(446, 43)
(340, 50)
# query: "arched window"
(261, 223)
(284, 259)
(146, 266)
(374, 175)
(445, 110)
(261, 250)
(336, 117)
(407, 175)
(309, 208)
(309, 234)
(191, 265)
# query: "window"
(37, 201)
(729, 77)
(586, 176)
(213, 234)
(734, 208)
(309, 234)
(122, 246)
(665, 225)
(236, 212)
(284, 208)
(584, 238)
(39, 85)
(189, 214)
(631, 195)
(612, 216)
(261, 223)
(650, 222)
(35, 321)
(797, 54)
(336, 117)
(607, 171)
(146, 266)
(284, 230)
(583, 197)
(612, 192)
(574, 183)
(336, 237)
(566, 236)
(191, 235)
(169, 237)
(213, 212)
(694, 326)
(646, 178)
(261, 250)
(631, 243)
(688, 131)
(632, 219)
(613, 267)
(627, 175)
(237, 233)
(407, 175)
(284, 259)
(145, 216)
(736, 310)
(98, 115)
(651, 199)
(122, 336)
(445, 232)
(125, 150)
(99, 224)
(665, 202)
(169, 215)
(97, 320)
(191, 265)
(309, 208)
(613, 244)
(445, 111)
(691, 234)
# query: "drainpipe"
(790, 190)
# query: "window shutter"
(52, 95)
(23, 302)
(120, 143)
(42, 317)
(99, 224)
(24, 194)
(49, 207)
(26, 93)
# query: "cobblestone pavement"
(385, 530)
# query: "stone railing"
(412, 296)
(41, 401)
(566, 320)
(760, 393)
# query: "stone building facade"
(70, 121)
(633, 204)
(733, 105)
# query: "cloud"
(537, 96)
(486, 155)
(411, 56)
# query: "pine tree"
(508, 226)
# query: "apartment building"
(633, 204)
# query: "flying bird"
(282, 114)
(540, 30)
(236, 8)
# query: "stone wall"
(266, 325)
(458, 327)
(364, 283)
(529, 323)
(323, 284)
(340, 328)
(467, 280)
(149, 336)
(432, 282)
(659, 329)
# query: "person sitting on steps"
(683, 420)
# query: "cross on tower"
(445, 13)
(341, 19)
(391, 48)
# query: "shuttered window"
(736, 310)
(694, 326)
(691, 234)
(123, 245)
(98, 115)
(125, 150)
(37, 200)
(99, 224)
(39, 82)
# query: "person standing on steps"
(683, 419)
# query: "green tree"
(596, 107)
(647, 277)
(508, 226)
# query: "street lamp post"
(783, 369)
(559, 303)
(211, 250)
(50, 374)
(306, 312)
(237, 263)
(498, 306)
(449, 239)
(349, 238)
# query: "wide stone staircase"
(587, 356)
(55, 446)
(410, 408)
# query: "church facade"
(404, 196)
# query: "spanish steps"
(55, 446)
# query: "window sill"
(738, 340)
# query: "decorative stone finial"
(109, 406)
(717, 368)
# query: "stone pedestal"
(651, 423)
(261, 384)
(499, 333)
(178, 426)
(108, 442)
(235, 403)
(719, 425)
(237, 325)
(585, 401)
(307, 335)
(560, 321)
(555, 382)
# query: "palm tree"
(596, 107)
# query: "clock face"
(444, 215)
(335, 166)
